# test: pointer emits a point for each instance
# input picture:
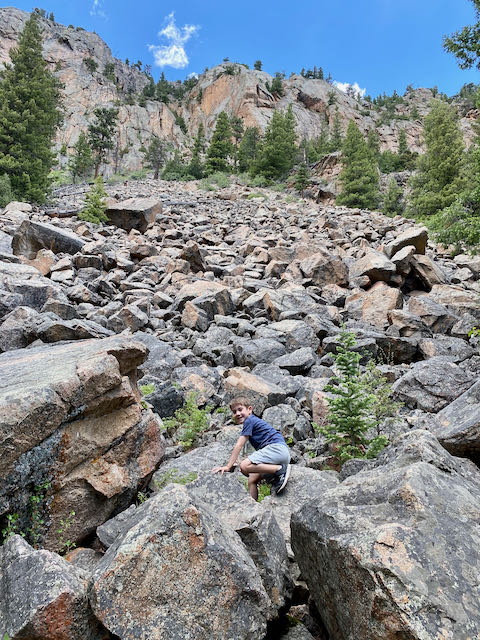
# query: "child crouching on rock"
(271, 457)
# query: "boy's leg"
(253, 480)
(247, 467)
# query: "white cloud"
(173, 54)
(97, 10)
(352, 89)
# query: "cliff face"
(242, 93)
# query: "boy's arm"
(233, 458)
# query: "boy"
(271, 457)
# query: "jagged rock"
(119, 525)
(165, 400)
(458, 424)
(32, 288)
(281, 416)
(407, 324)
(456, 299)
(263, 393)
(402, 259)
(401, 533)
(294, 333)
(436, 316)
(56, 330)
(454, 349)
(325, 268)
(33, 236)
(129, 317)
(428, 272)
(193, 255)
(374, 265)
(19, 328)
(297, 362)
(372, 306)
(432, 384)
(252, 352)
(43, 597)
(207, 563)
(416, 237)
(73, 408)
(134, 213)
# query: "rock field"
(220, 293)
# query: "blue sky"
(380, 44)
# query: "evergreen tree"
(101, 133)
(81, 161)
(196, 168)
(29, 116)
(277, 151)
(257, 65)
(359, 177)
(392, 202)
(302, 178)
(221, 148)
(163, 89)
(247, 150)
(149, 89)
(465, 44)
(406, 159)
(94, 209)
(439, 179)
(276, 85)
(336, 139)
(373, 143)
(156, 155)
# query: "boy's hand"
(223, 470)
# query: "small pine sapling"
(350, 412)
(94, 209)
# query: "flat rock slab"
(33, 236)
(134, 213)
(393, 551)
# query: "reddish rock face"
(75, 410)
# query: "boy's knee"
(244, 466)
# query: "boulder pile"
(194, 296)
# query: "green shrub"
(94, 209)
(146, 389)
(11, 526)
(59, 178)
(458, 225)
(173, 475)
(217, 180)
(6, 194)
(189, 422)
(255, 195)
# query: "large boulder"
(179, 572)
(416, 237)
(71, 420)
(134, 213)
(392, 552)
(432, 384)
(32, 236)
(324, 268)
(458, 423)
(26, 286)
(43, 597)
(375, 265)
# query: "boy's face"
(241, 412)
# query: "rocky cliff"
(230, 87)
(212, 294)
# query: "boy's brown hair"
(240, 400)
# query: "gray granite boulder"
(432, 384)
(32, 236)
(392, 551)
(42, 596)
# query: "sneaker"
(281, 479)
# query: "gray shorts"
(271, 454)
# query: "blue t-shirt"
(261, 433)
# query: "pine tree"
(221, 148)
(359, 177)
(406, 159)
(257, 65)
(94, 209)
(101, 133)
(247, 150)
(302, 178)
(392, 202)
(465, 44)
(336, 139)
(439, 179)
(156, 155)
(276, 85)
(29, 116)
(196, 168)
(163, 89)
(81, 162)
(277, 152)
